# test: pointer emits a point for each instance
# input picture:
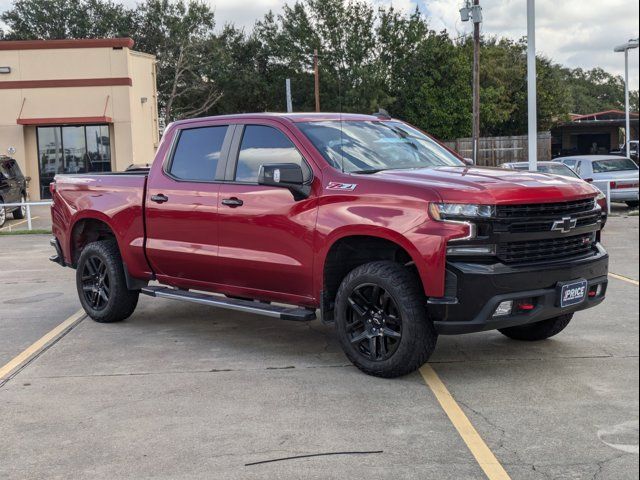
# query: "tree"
(181, 36)
(59, 19)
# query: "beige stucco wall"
(134, 125)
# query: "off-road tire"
(18, 213)
(534, 332)
(121, 301)
(419, 336)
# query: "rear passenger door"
(182, 206)
(10, 186)
(266, 236)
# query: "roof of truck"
(293, 117)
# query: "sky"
(575, 33)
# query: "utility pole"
(317, 79)
(531, 86)
(474, 13)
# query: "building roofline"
(68, 43)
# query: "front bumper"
(475, 290)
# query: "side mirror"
(468, 162)
(285, 175)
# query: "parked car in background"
(13, 189)
(620, 173)
(557, 168)
(633, 150)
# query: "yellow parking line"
(38, 346)
(9, 227)
(624, 279)
(479, 449)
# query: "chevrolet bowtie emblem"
(565, 225)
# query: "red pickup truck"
(390, 235)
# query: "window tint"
(263, 145)
(614, 165)
(5, 170)
(197, 153)
(578, 168)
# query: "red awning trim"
(64, 120)
(70, 43)
(69, 82)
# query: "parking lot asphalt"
(186, 391)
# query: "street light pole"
(630, 45)
(473, 11)
(531, 86)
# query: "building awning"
(64, 120)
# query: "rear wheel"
(3, 214)
(539, 330)
(21, 212)
(381, 320)
(101, 283)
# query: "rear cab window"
(262, 145)
(614, 165)
(197, 153)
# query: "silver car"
(620, 173)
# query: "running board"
(284, 313)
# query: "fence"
(27, 206)
(494, 151)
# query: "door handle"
(232, 202)
(159, 198)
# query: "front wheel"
(21, 212)
(101, 283)
(539, 330)
(381, 320)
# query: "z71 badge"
(341, 186)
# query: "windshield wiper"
(368, 172)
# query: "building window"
(72, 149)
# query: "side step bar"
(284, 313)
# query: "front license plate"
(572, 293)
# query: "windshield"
(614, 165)
(372, 146)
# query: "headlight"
(459, 211)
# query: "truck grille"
(545, 209)
(546, 250)
(540, 225)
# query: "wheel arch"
(348, 249)
(87, 228)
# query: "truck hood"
(492, 185)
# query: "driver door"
(265, 235)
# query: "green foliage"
(369, 58)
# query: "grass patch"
(633, 214)
(35, 231)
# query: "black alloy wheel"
(96, 286)
(374, 323)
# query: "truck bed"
(116, 199)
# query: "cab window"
(197, 153)
(262, 145)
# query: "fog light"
(504, 309)
(468, 250)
